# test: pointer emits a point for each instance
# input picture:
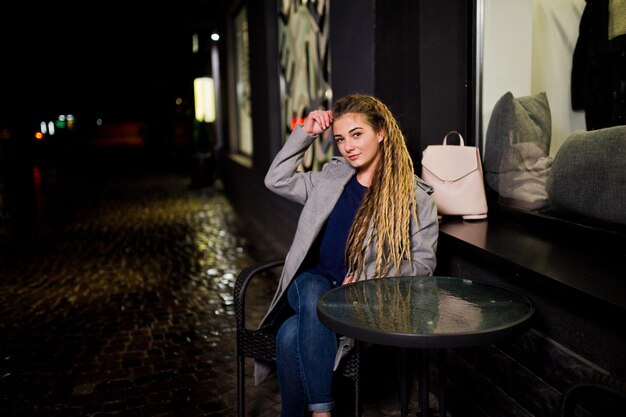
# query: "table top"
(425, 312)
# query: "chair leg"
(357, 379)
(241, 387)
(357, 402)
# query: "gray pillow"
(588, 175)
(517, 145)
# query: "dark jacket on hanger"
(598, 83)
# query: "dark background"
(115, 60)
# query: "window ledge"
(585, 258)
(243, 160)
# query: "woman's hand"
(317, 121)
(348, 280)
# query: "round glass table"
(425, 313)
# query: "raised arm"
(283, 177)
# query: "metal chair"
(260, 344)
(594, 399)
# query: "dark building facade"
(417, 56)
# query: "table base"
(423, 357)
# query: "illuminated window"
(204, 94)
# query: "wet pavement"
(116, 296)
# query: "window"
(303, 33)
(241, 124)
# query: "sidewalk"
(118, 302)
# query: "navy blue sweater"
(331, 258)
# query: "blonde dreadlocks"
(389, 204)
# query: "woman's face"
(357, 141)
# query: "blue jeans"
(305, 350)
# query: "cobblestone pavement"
(116, 300)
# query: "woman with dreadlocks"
(366, 215)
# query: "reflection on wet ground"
(116, 294)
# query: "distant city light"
(215, 37)
(204, 95)
(195, 47)
(51, 129)
(43, 127)
(61, 121)
(38, 135)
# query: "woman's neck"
(365, 175)
(365, 178)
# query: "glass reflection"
(425, 305)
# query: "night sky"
(115, 62)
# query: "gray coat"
(319, 192)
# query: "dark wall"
(445, 46)
(352, 47)
(264, 70)
(415, 58)
(397, 75)
(421, 68)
